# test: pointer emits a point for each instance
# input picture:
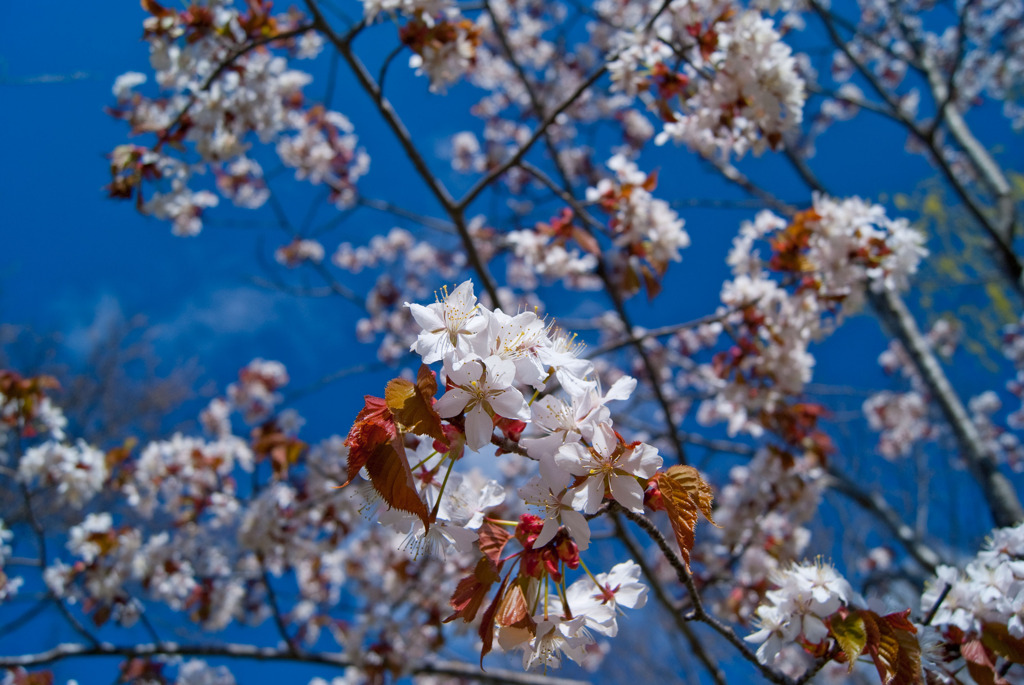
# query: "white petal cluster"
(8, 585)
(183, 473)
(405, 266)
(299, 251)
(805, 595)
(219, 93)
(255, 394)
(738, 91)
(989, 589)
(411, 8)
(601, 599)
(550, 259)
(816, 269)
(446, 61)
(763, 512)
(901, 419)
(489, 359)
(639, 218)
(323, 150)
(754, 96)
(78, 471)
(197, 672)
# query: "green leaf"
(851, 635)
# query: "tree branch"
(699, 612)
(397, 126)
(239, 651)
(880, 508)
(1000, 495)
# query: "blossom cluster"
(223, 86)
(739, 89)
(405, 266)
(819, 267)
(762, 513)
(805, 596)
(203, 527)
(903, 419)
(989, 589)
(977, 611)
(488, 358)
(489, 355)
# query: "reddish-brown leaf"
(426, 381)
(981, 663)
(685, 495)
(900, 620)
(470, 593)
(513, 608)
(373, 426)
(153, 7)
(487, 622)
(586, 241)
(22, 677)
(651, 282)
(268, 441)
(492, 540)
(630, 282)
(651, 182)
(996, 637)
(412, 405)
(893, 647)
(391, 476)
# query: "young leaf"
(981, 663)
(390, 474)
(996, 637)
(685, 494)
(651, 282)
(487, 622)
(851, 635)
(513, 607)
(373, 427)
(269, 441)
(492, 540)
(471, 590)
(893, 647)
(586, 241)
(412, 406)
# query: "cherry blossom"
(482, 389)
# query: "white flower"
(558, 511)
(483, 390)
(600, 599)
(447, 324)
(556, 636)
(609, 465)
